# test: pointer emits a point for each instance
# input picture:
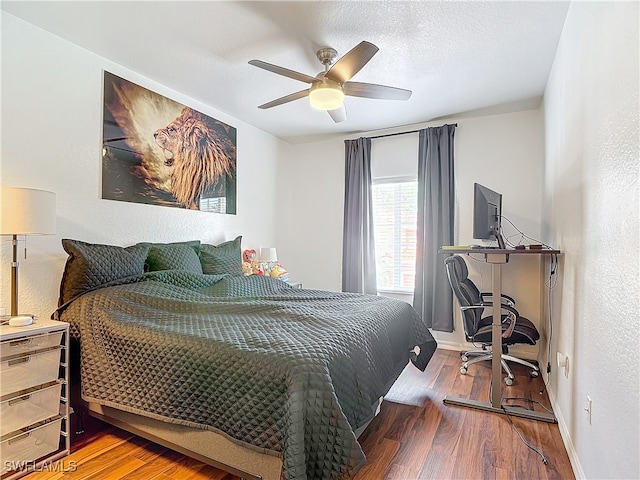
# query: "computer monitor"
(487, 211)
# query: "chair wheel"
(464, 357)
(463, 371)
(534, 373)
(508, 381)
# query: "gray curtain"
(358, 246)
(432, 298)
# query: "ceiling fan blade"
(286, 99)
(339, 115)
(284, 71)
(352, 62)
(372, 90)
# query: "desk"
(497, 258)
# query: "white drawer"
(26, 371)
(30, 343)
(21, 411)
(31, 445)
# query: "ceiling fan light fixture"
(326, 96)
(328, 88)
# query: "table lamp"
(24, 211)
(268, 256)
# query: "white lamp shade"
(25, 211)
(268, 254)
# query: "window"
(395, 205)
(213, 204)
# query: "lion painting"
(200, 153)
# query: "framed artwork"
(160, 152)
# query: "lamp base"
(21, 321)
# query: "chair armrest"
(511, 315)
(506, 299)
(479, 305)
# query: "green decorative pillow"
(90, 265)
(174, 256)
(223, 258)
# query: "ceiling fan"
(328, 88)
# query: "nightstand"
(34, 394)
(295, 284)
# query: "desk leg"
(495, 406)
(496, 337)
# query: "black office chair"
(477, 329)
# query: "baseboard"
(566, 438)
(450, 345)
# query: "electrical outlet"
(588, 409)
(562, 359)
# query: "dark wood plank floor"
(415, 436)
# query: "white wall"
(503, 152)
(591, 213)
(51, 140)
(310, 202)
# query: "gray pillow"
(174, 256)
(223, 258)
(90, 265)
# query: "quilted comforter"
(290, 371)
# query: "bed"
(243, 372)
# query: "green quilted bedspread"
(291, 371)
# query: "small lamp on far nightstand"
(268, 256)
(25, 211)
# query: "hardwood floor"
(415, 436)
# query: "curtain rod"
(404, 133)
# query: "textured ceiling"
(456, 57)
